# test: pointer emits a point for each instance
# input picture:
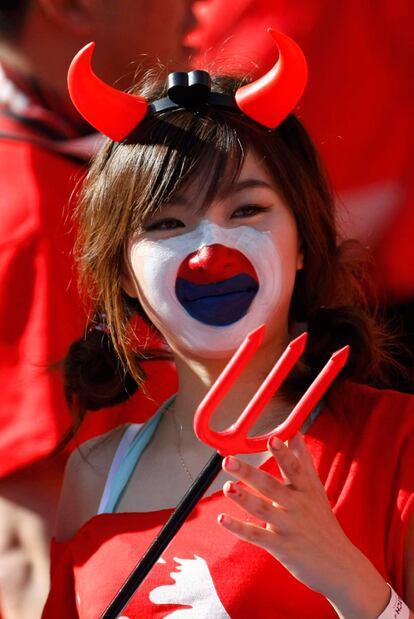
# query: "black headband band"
(190, 90)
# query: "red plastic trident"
(235, 440)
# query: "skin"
(28, 503)
(258, 206)
(159, 462)
(301, 530)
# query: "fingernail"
(275, 443)
(231, 488)
(231, 464)
(222, 519)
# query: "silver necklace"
(178, 433)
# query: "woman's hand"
(301, 531)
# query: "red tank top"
(363, 447)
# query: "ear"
(128, 284)
(73, 15)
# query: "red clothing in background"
(42, 162)
(363, 448)
(357, 105)
(40, 310)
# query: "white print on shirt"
(193, 587)
(160, 560)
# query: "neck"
(196, 377)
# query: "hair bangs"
(183, 152)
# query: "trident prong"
(235, 439)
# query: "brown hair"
(131, 180)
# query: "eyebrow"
(249, 183)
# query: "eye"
(249, 210)
(169, 223)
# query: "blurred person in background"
(44, 148)
(362, 54)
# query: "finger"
(299, 447)
(264, 483)
(249, 532)
(267, 511)
(291, 468)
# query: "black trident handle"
(164, 537)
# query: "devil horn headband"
(116, 114)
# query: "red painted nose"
(215, 263)
(216, 259)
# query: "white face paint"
(156, 264)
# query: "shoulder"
(367, 422)
(364, 404)
(377, 425)
(85, 476)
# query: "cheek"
(287, 244)
(291, 262)
(133, 275)
(155, 266)
(154, 277)
(144, 280)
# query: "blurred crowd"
(357, 106)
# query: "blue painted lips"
(217, 304)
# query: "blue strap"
(131, 459)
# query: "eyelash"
(171, 223)
(250, 207)
(164, 224)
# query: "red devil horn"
(272, 97)
(110, 111)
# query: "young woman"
(209, 214)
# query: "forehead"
(254, 167)
(251, 174)
(197, 159)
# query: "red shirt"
(363, 448)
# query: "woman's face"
(206, 278)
